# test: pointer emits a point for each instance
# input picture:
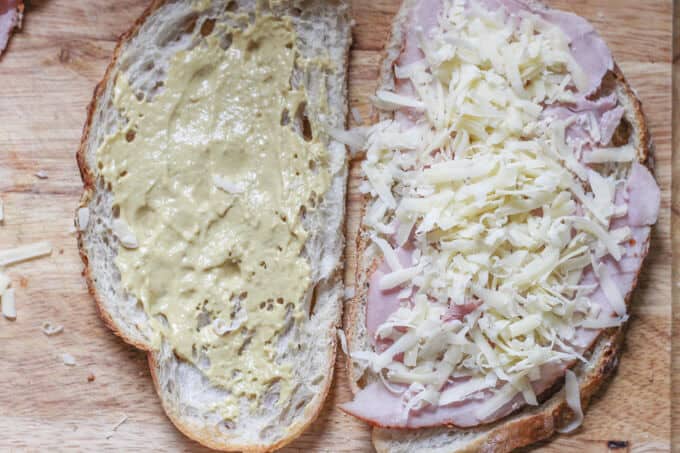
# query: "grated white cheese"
(343, 341)
(24, 253)
(356, 115)
(124, 234)
(83, 218)
(9, 310)
(68, 360)
(573, 396)
(50, 329)
(502, 216)
(388, 100)
(4, 282)
(221, 326)
(115, 427)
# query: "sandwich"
(509, 197)
(211, 224)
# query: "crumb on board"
(50, 329)
(91, 377)
(68, 359)
(116, 426)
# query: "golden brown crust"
(196, 433)
(89, 179)
(504, 435)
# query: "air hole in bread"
(207, 27)
(140, 96)
(272, 394)
(297, 12)
(252, 46)
(190, 24)
(226, 425)
(162, 319)
(225, 41)
(123, 174)
(130, 136)
(109, 187)
(116, 211)
(312, 302)
(232, 7)
(285, 120)
(203, 319)
(100, 165)
(245, 343)
(622, 134)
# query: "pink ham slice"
(386, 302)
(10, 18)
(378, 405)
(605, 110)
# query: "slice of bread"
(143, 54)
(530, 424)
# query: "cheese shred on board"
(491, 220)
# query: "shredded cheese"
(573, 396)
(9, 310)
(68, 359)
(50, 329)
(24, 253)
(83, 218)
(124, 234)
(503, 209)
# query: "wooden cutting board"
(46, 81)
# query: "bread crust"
(191, 430)
(515, 430)
(88, 176)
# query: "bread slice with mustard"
(211, 225)
(509, 198)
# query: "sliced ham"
(10, 18)
(458, 312)
(606, 111)
(644, 197)
(384, 303)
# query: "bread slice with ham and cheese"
(509, 201)
(278, 370)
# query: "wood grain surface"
(46, 81)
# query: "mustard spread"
(212, 180)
